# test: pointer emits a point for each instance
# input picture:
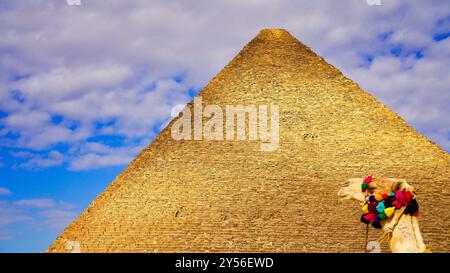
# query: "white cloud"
(97, 155)
(53, 158)
(57, 219)
(93, 161)
(36, 203)
(113, 63)
(10, 214)
(4, 191)
(26, 120)
(34, 215)
(21, 154)
(62, 83)
(4, 235)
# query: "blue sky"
(84, 88)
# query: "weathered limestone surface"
(228, 196)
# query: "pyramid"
(229, 196)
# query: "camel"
(405, 236)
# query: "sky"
(83, 88)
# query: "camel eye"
(398, 186)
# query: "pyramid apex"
(274, 34)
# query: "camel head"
(351, 189)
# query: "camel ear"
(400, 185)
(404, 186)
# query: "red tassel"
(408, 196)
(399, 196)
(369, 217)
(397, 204)
(368, 179)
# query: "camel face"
(388, 185)
(351, 190)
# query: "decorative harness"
(379, 207)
